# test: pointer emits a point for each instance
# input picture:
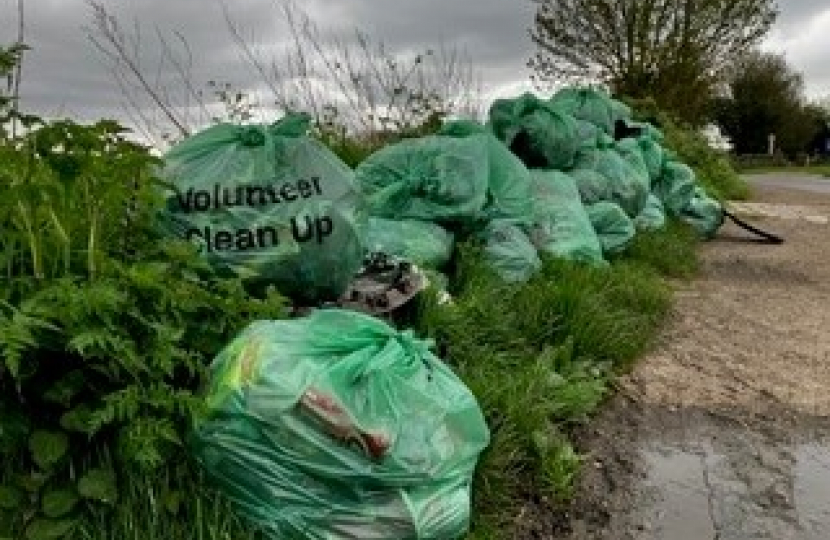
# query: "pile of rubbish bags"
(334, 425)
(572, 176)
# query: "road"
(722, 432)
(799, 182)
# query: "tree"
(674, 51)
(765, 96)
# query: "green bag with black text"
(269, 204)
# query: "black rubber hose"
(767, 237)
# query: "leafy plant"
(105, 329)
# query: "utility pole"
(18, 69)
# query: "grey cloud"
(65, 74)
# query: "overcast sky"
(65, 75)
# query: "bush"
(713, 168)
(105, 331)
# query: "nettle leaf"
(49, 529)
(11, 498)
(78, 420)
(32, 481)
(99, 485)
(58, 503)
(48, 447)
(66, 388)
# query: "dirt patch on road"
(723, 432)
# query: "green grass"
(166, 506)
(540, 358)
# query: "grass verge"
(540, 358)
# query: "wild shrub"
(105, 329)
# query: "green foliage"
(713, 168)
(674, 53)
(766, 96)
(70, 195)
(171, 503)
(99, 485)
(669, 251)
(105, 329)
(353, 149)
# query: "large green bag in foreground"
(268, 204)
(338, 427)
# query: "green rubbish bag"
(268, 204)
(647, 130)
(653, 217)
(588, 104)
(653, 155)
(338, 427)
(620, 111)
(421, 242)
(613, 227)
(509, 252)
(508, 185)
(588, 134)
(630, 150)
(541, 135)
(675, 187)
(603, 174)
(433, 178)
(561, 225)
(704, 214)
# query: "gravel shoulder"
(723, 431)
